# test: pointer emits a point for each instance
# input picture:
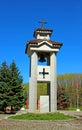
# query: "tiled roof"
(41, 40)
(43, 29)
(35, 42)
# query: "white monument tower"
(44, 50)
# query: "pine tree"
(16, 93)
(4, 84)
(11, 91)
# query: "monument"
(42, 49)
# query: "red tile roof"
(41, 40)
(35, 42)
(43, 29)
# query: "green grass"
(47, 116)
(73, 108)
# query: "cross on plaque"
(42, 22)
(43, 73)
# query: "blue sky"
(19, 18)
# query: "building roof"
(35, 43)
(42, 30)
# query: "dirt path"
(8, 124)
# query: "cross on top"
(43, 73)
(42, 22)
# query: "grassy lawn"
(47, 116)
(74, 109)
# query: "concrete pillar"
(53, 83)
(33, 84)
(48, 93)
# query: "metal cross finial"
(42, 22)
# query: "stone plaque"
(44, 104)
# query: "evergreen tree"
(11, 91)
(4, 85)
(16, 93)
